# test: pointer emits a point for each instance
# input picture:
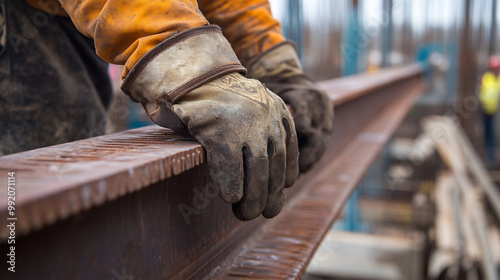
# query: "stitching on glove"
(204, 78)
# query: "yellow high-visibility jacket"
(490, 92)
(125, 30)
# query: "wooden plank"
(453, 149)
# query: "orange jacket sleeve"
(248, 25)
(124, 30)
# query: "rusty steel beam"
(110, 205)
(56, 182)
(283, 247)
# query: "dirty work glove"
(280, 70)
(191, 83)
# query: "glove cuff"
(180, 64)
(280, 60)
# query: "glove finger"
(326, 117)
(226, 171)
(300, 111)
(275, 195)
(312, 147)
(317, 109)
(256, 177)
(292, 153)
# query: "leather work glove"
(280, 70)
(192, 83)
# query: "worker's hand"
(246, 130)
(279, 69)
(250, 140)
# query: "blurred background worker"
(489, 95)
(187, 74)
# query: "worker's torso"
(490, 92)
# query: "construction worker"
(188, 75)
(489, 94)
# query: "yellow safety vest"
(490, 92)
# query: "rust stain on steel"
(282, 248)
(56, 182)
